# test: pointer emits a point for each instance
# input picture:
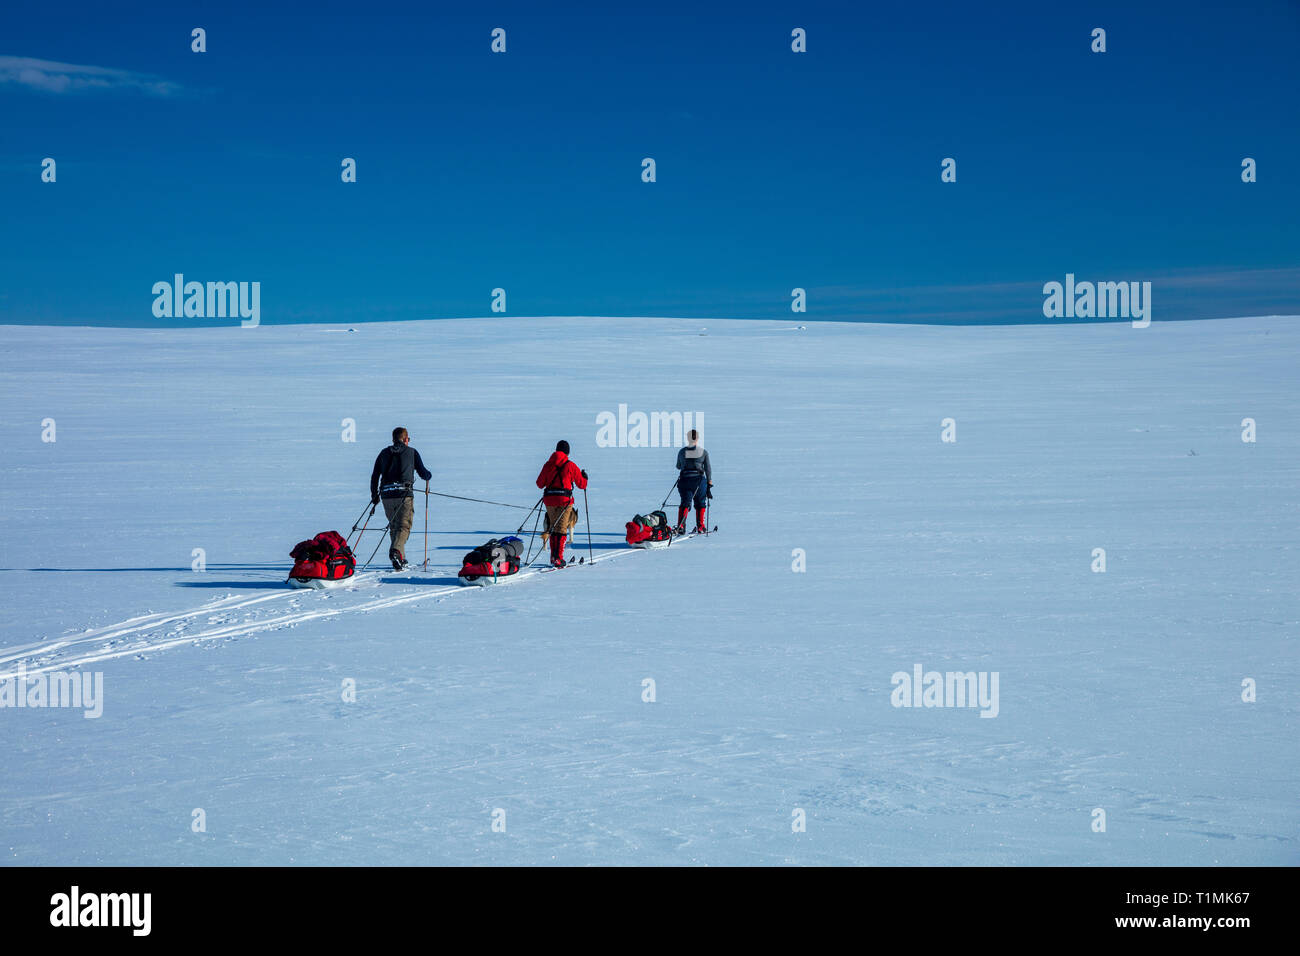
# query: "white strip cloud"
(52, 77)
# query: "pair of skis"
(567, 564)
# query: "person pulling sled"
(393, 481)
(695, 482)
(557, 480)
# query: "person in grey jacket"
(695, 482)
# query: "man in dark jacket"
(557, 479)
(392, 481)
(695, 482)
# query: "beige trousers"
(400, 511)
(562, 518)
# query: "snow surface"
(1120, 691)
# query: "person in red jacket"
(557, 479)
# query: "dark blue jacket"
(394, 472)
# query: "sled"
(652, 545)
(324, 561)
(318, 584)
(485, 580)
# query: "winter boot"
(399, 561)
(700, 526)
(682, 512)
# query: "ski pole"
(670, 492)
(529, 515)
(363, 511)
(377, 546)
(364, 526)
(426, 526)
(587, 509)
(531, 558)
(533, 535)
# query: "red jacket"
(559, 474)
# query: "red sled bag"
(322, 562)
(648, 531)
(491, 562)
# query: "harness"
(395, 460)
(560, 492)
(693, 465)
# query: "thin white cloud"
(51, 77)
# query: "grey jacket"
(697, 462)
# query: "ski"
(565, 566)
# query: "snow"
(223, 689)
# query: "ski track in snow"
(1118, 690)
(146, 635)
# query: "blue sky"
(775, 169)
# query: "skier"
(392, 481)
(695, 482)
(556, 479)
